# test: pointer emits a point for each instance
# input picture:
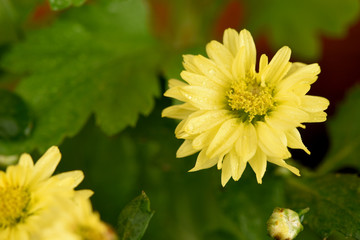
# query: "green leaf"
(344, 131)
(61, 4)
(97, 59)
(110, 166)
(8, 26)
(15, 120)
(334, 202)
(134, 218)
(300, 23)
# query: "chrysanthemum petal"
(204, 98)
(27, 166)
(174, 92)
(220, 55)
(272, 141)
(314, 103)
(186, 149)
(226, 171)
(46, 165)
(247, 143)
(294, 140)
(176, 83)
(195, 79)
(302, 74)
(290, 114)
(84, 193)
(71, 178)
(26, 161)
(189, 65)
(181, 111)
(238, 66)
(203, 162)
(231, 40)
(179, 131)
(247, 42)
(264, 61)
(204, 139)
(224, 138)
(258, 164)
(201, 121)
(317, 117)
(278, 66)
(237, 165)
(282, 163)
(211, 70)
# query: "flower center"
(251, 98)
(13, 203)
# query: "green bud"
(284, 224)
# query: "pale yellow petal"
(278, 66)
(282, 163)
(174, 92)
(290, 114)
(301, 89)
(258, 164)
(299, 75)
(203, 120)
(46, 165)
(224, 139)
(204, 139)
(189, 65)
(226, 171)
(176, 83)
(238, 66)
(71, 178)
(186, 149)
(247, 41)
(181, 111)
(26, 161)
(203, 162)
(210, 70)
(247, 143)
(179, 131)
(317, 117)
(237, 165)
(204, 98)
(84, 193)
(220, 55)
(201, 81)
(295, 67)
(264, 61)
(272, 142)
(294, 140)
(231, 40)
(314, 103)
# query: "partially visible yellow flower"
(234, 114)
(31, 198)
(80, 222)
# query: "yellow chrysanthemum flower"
(236, 115)
(80, 222)
(30, 197)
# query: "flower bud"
(284, 224)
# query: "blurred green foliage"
(88, 78)
(345, 141)
(334, 202)
(73, 68)
(61, 4)
(301, 23)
